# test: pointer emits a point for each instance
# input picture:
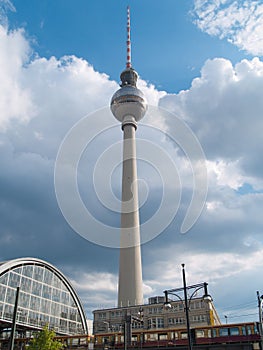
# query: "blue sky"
(201, 61)
(168, 49)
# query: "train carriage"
(221, 334)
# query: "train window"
(214, 330)
(223, 332)
(105, 340)
(234, 331)
(184, 335)
(163, 336)
(200, 333)
(174, 335)
(82, 341)
(75, 341)
(249, 330)
(244, 330)
(153, 336)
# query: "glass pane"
(56, 294)
(26, 284)
(10, 296)
(223, 332)
(56, 282)
(18, 270)
(2, 292)
(35, 303)
(234, 331)
(46, 293)
(48, 277)
(28, 270)
(4, 279)
(36, 288)
(38, 273)
(14, 280)
(24, 299)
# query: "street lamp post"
(186, 310)
(260, 310)
(13, 330)
(186, 300)
(128, 326)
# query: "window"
(199, 318)
(153, 336)
(249, 330)
(10, 296)
(2, 292)
(48, 277)
(160, 322)
(155, 322)
(35, 303)
(163, 336)
(223, 332)
(200, 333)
(36, 288)
(234, 331)
(38, 273)
(196, 304)
(14, 280)
(28, 271)
(214, 330)
(56, 294)
(46, 293)
(26, 285)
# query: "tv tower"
(128, 105)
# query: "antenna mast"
(128, 63)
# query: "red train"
(238, 333)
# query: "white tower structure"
(128, 105)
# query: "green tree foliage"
(45, 340)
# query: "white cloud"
(224, 109)
(90, 282)
(240, 22)
(15, 97)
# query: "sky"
(201, 69)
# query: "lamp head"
(167, 305)
(207, 298)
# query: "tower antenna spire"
(128, 62)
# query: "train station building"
(45, 296)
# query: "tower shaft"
(130, 267)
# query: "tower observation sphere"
(128, 104)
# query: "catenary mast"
(128, 105)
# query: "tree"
(45, 340)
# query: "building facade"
(45, 297)
(151, 320)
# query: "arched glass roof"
(45, 297)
